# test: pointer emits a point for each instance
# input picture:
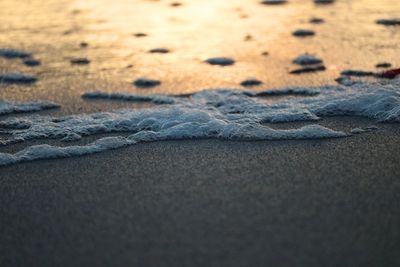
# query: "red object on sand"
(391, 74)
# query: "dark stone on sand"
(383, 65)
(12, 53)
(176, 4)
(303, 33)
(388, 22)
(273, 2)
(316, 20)
(251, 82)
(140, 34)
(324, 1)
(248, 37)
(146, 83)
(159, 51)
(221, 61)
(308, 70)
(357, 73)
(389, 74)
(80, 61)
(265, 53)
(83, 44)
(307, 59)
(17, 78)
(31, 62)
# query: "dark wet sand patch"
(202, 204)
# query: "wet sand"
(210, 203)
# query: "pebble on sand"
(31, 62)
(383, 65)
(140, 34)
(324, 1)
(146, 83)
(357, 73)
(273, 2)
(12, 53)
(80, 61)
(307, 59)
(221, 61)
(248, 37)
(159, 50)
(308, 69)
(388, 22)
(175, 4)
(389, 74)
(316, 20)
(251, 82)
(17, 78)
(303, 33)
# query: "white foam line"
(219, 114)
(180, 132)
(18, 107)
(157, 99)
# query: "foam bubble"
(226, 114)
(15, 107)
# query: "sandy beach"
(206, 98)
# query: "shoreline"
(343, 124)
(311, 202)
(144, 72)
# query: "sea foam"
(226, 114)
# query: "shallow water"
(53, 30)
